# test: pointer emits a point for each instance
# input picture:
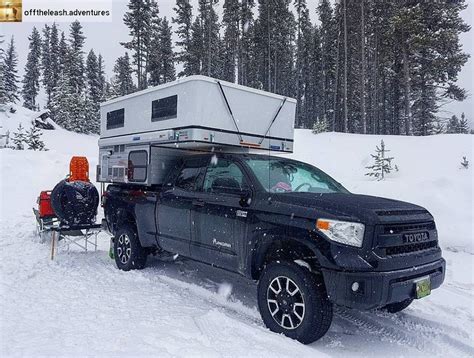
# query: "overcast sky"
(104, 38)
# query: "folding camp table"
(82, 236)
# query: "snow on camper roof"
(200, 110)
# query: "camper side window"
(115, 119)
(137, 166)
(164, 108)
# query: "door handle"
(198, 202)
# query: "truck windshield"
(288, 176)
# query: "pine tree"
(453, 125)
(211, 47)
(306, 110)
(33, 139)
(19, 138)
(154, 53)
(122, 83)
(102, 80)
(328, 40)
(382, 164)
(320, 126)
(63, 56)
(274, 34)
(93, 94)
(138, 19)
(69, 106)
(56, 89)
(247, 67)
(231, 42)
(195, 56)
(3, 92)
(50, 60)
(76, 58)
(439, 60)
(465, 163)
(161, 62)
(54, 58)
(438, 127)
(31, 85)
(10, 72)
(463, 125)
(313, 108)
(46, 63)
(184, 20)
(168, 72)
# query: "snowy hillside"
(80, 304)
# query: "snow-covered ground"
(80, 304)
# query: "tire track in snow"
(426, 337)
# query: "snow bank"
(25, 173)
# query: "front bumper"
(376, 289)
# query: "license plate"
(423, 287)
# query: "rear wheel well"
(285, 250)
(124, 217)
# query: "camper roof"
(196, 78)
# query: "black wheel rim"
(285, 302)
(124, 248)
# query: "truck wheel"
(128, 253)
(397, 306)
(293, 301)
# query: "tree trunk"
(344, 129)
(363, 68)
(336, 80)
(407, 89)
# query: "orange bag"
(78, 169)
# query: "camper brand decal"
(220, 243)
(241, 213)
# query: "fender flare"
(266, 243)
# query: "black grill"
(406, 249)
(401, 212)
(399, 228)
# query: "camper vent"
(118, 173)
(119, 148)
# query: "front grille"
(406, 249)
(399, 228)
(401, 212)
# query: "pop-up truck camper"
(143, 132)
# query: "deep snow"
(80, 304)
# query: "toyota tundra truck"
(308, 242)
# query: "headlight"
(345, 232)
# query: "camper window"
(115, 119)
(137, 165)
(164, 108)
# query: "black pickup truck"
(308, 241)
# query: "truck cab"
(306, 240)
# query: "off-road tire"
(397, 306)
(318, 310)
(126, 243)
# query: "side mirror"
(245, 197)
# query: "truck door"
(220, 222)
(173, 211)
